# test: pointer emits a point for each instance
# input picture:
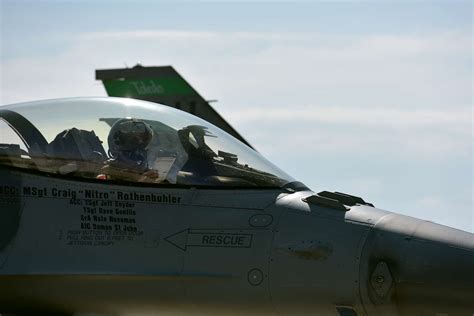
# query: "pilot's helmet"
(129, 135)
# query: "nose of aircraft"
(415, 267)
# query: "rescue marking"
(209, 238)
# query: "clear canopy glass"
(115, 139)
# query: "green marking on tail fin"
(139, 88)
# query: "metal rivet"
(255, 277)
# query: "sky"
(368, 98)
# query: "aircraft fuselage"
(76, 246)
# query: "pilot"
(128, 141)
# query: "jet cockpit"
(127, 140)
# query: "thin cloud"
(372, 117)
(149, 34)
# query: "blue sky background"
(368, 98)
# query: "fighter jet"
(116, 206)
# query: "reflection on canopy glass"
(113, 139)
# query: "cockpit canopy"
(127, 140)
